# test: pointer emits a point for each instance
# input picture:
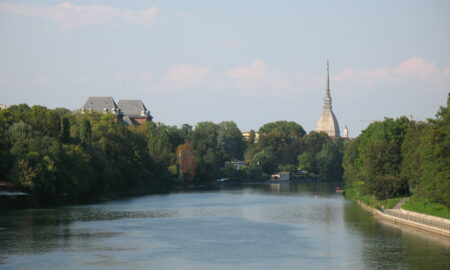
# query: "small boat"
(339, 190)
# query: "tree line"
(61, 157)
(398, 157)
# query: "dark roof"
(100, 104)
(133, 108)
(128, 121)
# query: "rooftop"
(133, 108)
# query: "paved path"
(400, 203)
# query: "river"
(291, 226)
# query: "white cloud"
(257, 76)
(187, 75)
(256, 70)
(414, 69)
(69, 16)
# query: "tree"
(306, 161)
(386, 186)
(229, 140)
(265, 160)
(159, 145)
(186, 159)
(85, 132)
(20, 131)
(434, 154)
(351, 162)
(252, 137)
(411, 169)
(279, 138)
(329, 161)
(65, 130)
(204, 142)
(44, 121)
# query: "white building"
(327, 121)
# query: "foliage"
(61, 157)
(204, 142)
(434, 152)
(329, 161)
(399, 156)
(229, 141)
(353, 193)
(306, 161)
(186, 161)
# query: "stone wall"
(424, 222)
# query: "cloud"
(257, 76)
(411, 70)
(69, 16)
(187, 75)
(257, 69)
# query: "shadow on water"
(388, 246)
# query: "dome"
(328, 123)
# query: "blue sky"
(247, 61)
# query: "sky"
(251, 62)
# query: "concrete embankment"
(436, 225)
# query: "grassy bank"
(426, 207)
(354, 194)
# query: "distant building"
(281, 176)
(134, 111)
(246, 136)
(101, 104)
(130, 112)
(3, 107)
(327, 121)
(237, 164)
(346, 132)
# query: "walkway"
(400, 203)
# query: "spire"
(327, 97)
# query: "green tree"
(159, 145)
(229, 140)
(85, 132)
(411, 168)
(281, 139)
(434, 154)
(329, 161)
(209, 160)
(265, 160)
(306, 161)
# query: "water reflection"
(255, 227)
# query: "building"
(281, 176)
(327, 121)
(246, 136)
(130, 112)
(101, 104)
(237, 164)
(346, 132)
(134, 111)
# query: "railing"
(416, 218)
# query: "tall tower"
(327, 121)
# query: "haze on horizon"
(251, 62)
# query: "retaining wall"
(424, 222)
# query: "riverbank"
(436, 225)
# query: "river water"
(291, 226)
